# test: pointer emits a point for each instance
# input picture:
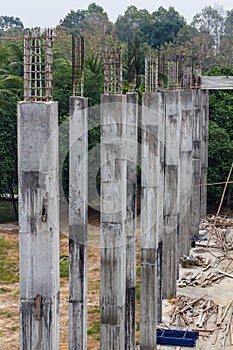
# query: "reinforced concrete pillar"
(151, 216)
(204, 150)
(78, 209)
(171, 194)
(185, 172)
(113, 219)
(38, 225)
(160, 198)
(131, 217)
(196, 163)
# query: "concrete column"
(204, 150)
(171, 194)
(78, 205)
(185, 172)
(196, 162)
(131, 218)
(151, 216)
(113, 218)
(160, 198)
(38, 224)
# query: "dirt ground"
(9, 292)
(9, 296)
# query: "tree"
(9, 22)
(220, 136)
(167, 25)
(93, 24)
(11, 89)
(220, 159)
(133, 23)
(210, 22)
(73, 22)
(229, 24)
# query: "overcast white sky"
(47, 13)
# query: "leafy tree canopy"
(167, 24)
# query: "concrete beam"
(38, 225)
(217, 83)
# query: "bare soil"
(9, 292)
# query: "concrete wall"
(38, 225)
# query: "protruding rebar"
(78, 66)
(38, 58)
(113, 71)
(151, 74)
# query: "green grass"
(64, 265)
(94, 329)
(3, 290)
(9, 269)
(6, 313)
(96, 310)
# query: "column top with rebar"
(38, 56)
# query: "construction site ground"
(219, 293)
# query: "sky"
(48, 13)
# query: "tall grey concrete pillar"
(113, 219)
(204, 150)
(131, 217)
(151, 216)
(185, 172)
(38, 225)
(78, 208)
(196, 162)
(171, 194)
(160, 197)
(154, 106)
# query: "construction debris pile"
(218, 228)
(199, 277)
(204, 316)
(207, 266)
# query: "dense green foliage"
(220, 137)
(208, 40)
